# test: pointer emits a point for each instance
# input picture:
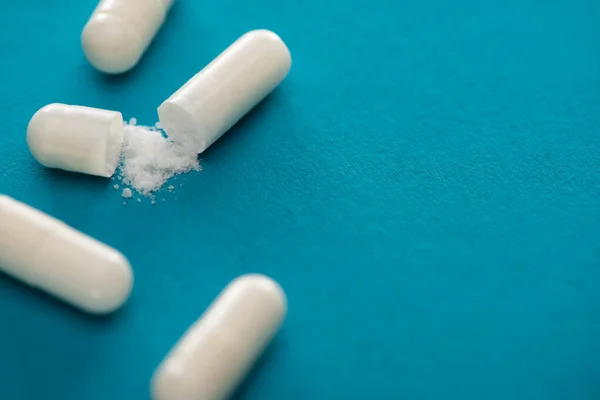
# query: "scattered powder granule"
(149, 159)
(139, 200)
(127, 193)
(116, 187)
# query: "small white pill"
(120, 31)
(48, 254)
(210, 103)
(217, 351)
(76, 138)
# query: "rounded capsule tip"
(277, 45)
(37, 135)
(112, 288)
(111, 44)
(258, 283)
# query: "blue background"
(425, 185)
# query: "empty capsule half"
(214, 99)
(76, 138)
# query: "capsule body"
(47, 254)
(120, 31)
(76, 138)
(217, 351)
(217, 97)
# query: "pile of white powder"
(149, 158)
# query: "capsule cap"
(77, 139)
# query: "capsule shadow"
(66, 179)
(264, 360)
(22, 293)
(49, 340)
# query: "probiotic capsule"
(119, 31)
(75, 138)
(46, 253)
(217, 351)
(225, 90)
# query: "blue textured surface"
(425, 185)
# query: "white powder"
(116, 187)
(127, 193)
(149, 159)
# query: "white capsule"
(76, 138)
(47, 254)
(217, 351)
(120, 31)
(210, 103)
